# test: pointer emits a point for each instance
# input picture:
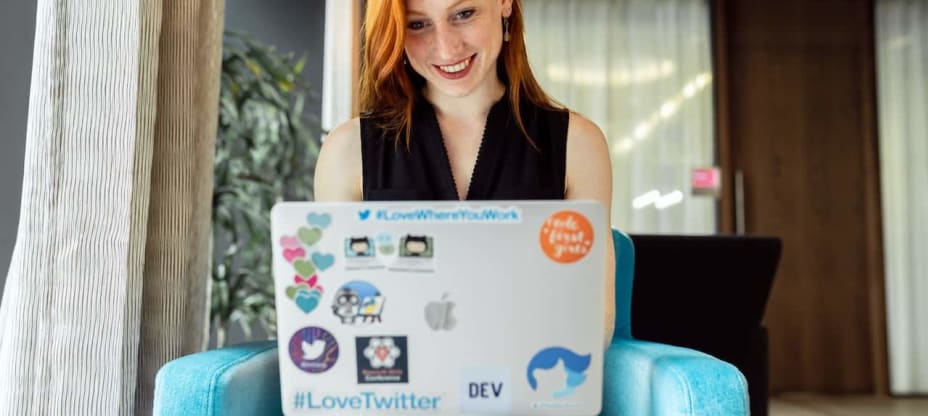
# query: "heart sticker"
(294, 253)
(289, 241)
(318, 220)
(304, 268)
(309, 236)
(322, 261)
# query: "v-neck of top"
(489, 141)
(508, 166)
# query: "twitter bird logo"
(364, 214)
(312, 350)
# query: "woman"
(451, 111)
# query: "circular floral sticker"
(566, 236)
(313, 349)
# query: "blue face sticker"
(574, 364)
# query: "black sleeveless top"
(507, 166)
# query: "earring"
(506, 29)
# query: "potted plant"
(266, 149)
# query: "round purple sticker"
(313, 350)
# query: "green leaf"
(298, 68)
(254, 67)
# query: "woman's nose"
(448, 42)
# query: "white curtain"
(642, 71)
(109, 275)
(902, 70)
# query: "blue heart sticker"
(307, 301)
(323, 261)
(319, 220)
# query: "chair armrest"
(647, 378)
(238, 380)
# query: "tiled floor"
(815, 405)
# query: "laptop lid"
(440, 307)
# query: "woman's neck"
(474, 105)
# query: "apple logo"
(438, 314)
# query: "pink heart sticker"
(289, 241)
(294, 253)
(309, 283)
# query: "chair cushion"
(238, 380)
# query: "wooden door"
(796, 115)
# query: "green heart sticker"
(291, 292)
(309, 236)
(304, 268)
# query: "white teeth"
(456, 67)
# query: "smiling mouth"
(457, 67)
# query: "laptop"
(442, 308)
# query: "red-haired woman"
(450, 110)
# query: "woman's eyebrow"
(455, 5)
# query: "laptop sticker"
(486, 391)
(318, 220)
(323, 261)
(313, 350)
(364, 402)
(385, 244)
(415, 254)
(563, 370)
(361, 254)
(382, 359)
(566, 237)
(439, 315)
(305, 292)
(358, 303)
(309, 236)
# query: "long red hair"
(388, 89)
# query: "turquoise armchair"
(641, 378)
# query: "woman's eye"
(415, 25)
(464, 14)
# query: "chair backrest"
(701, 291)
(624, 276)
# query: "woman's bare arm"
(589, 176)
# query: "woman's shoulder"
(345, 136)
(583, 130)
(589, 166)
(338, 167)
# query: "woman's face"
(454, 44)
